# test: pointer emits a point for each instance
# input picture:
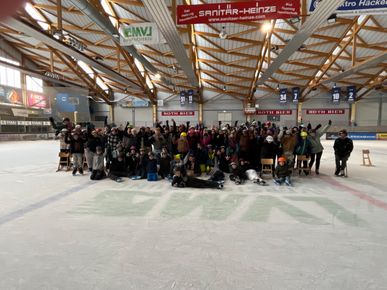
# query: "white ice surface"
(63, 232)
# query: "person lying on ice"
(240, 173)
(282, 172)
(179, 180)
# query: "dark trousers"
(199, 183)
(341, 162)
(317, 157)
(115, 174)
(97, 175)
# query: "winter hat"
(269, 139)
(288, 131)
(282, 159)
(304, 134)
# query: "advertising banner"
(351, 94)
(325, 112)
(274, 112)
(177, 113)
(336, 92)
(66, 103)
(10, 95)
(237, 11)
(296, 94)
(140, 33)
(382, 136)
(362, 136)
(135, 103)
(356, 7)
(283, 95)
(19, 112)
(36, 100)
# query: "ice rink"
(63, 232)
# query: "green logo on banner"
(137, 31)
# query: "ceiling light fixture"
(223, 34)
(266, 27)
(332, 19)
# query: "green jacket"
(316, 140)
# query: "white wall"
(367, 112)
(223, 104)
(135, 116)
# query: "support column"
(75, 117)
(200, 113)
(111, 113)
(154, 114)
(380, 112)
(353, 114)
(299, 113)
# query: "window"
(225, 117)
(9, 76)
(34, 84)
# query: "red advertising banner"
(178, 113)
(37, 101)
(274, 112)
(326, 112)
(237, 11)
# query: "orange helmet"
(282, 159)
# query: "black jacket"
(343, 147)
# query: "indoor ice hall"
(193, 144)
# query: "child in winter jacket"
(282, 172)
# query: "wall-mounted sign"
(36, 100)
(65, 102)
(10, 95)
(24, 123)
(135, 103)
(190, 96)
(283, 93)
(182, 98)
(351, 93)
(160, 103)
(72, 41)
(177, 113)
(19, 112)
(274, 112)
(237, 11)
(140, 33)
(295, 94)
(52, 75)
(336, 92)
(356, 7)
(325, 112)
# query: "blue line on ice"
(21, 212)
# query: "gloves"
(330, 122)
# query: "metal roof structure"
(306, 52)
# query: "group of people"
(182, 153)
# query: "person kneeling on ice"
(179, 180)
(98, 172)
(118, 168)
(282, 172)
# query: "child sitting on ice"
(282, 172)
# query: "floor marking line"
(32, 207)
(376, 202)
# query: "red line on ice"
(357, 193)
